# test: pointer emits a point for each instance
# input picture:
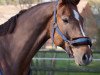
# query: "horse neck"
(36, 34)
(39, 25)
(22, 44)
(44, 36)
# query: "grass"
(68, 68)
(45, 67)
(74, 73)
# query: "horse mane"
(8, 27)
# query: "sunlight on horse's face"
(71, 25)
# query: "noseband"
(75, 41)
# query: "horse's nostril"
(85, 57)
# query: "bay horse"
(23, 35)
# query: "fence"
(58, 63)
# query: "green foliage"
(98, 40)
(19, 1)
(8, 1)
(2, 1)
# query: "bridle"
(76, 41)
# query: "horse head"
(68, 33)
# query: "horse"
(22, 35)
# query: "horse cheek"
(58, 41)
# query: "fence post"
(53, 63)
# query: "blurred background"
(51, 60)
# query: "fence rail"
(59, 59)
(55, 62)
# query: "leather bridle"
(76, 41)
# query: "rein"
(76, 41)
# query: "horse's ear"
(75, 2)
(61, 2)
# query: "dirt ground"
(6, 11)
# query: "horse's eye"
(65, 20)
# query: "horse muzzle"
(85, 57)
